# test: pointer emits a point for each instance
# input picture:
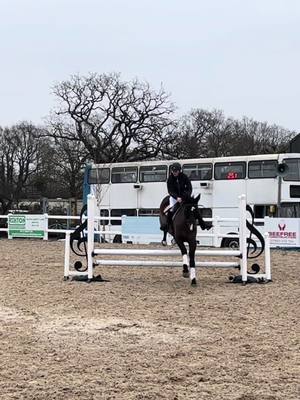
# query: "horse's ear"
(197, 198)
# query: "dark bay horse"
(184, 230)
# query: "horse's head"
(196, 199)
(189, 205)
(192, 201)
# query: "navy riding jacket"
(179, 186)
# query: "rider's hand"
(179, 199)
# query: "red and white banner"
(284, 232)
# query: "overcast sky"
(240, 56)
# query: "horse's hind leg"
(164, 226)
(185, 259)
(192, 251)
(164, 240)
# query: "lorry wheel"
(232, 243)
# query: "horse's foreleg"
(192, 251)
(185, 259)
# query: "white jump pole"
(243, 238)
(67, 256)
(160, 263)
(90, 233)
(267, 257)
(158, 252)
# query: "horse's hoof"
(185, 271)
(163, 242)
(193, 282)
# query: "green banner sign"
(30, 226)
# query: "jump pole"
(241, 253)
(243, 237)
(91, 202)
(267, 257)
(91, 252)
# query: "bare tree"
(204, 133)
(219, 138)
(188, 136)
(19, 149)
(114, 120)
(200, 133)
(71, 158)
(254, 137)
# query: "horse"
(184, 230)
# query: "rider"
(180, 188)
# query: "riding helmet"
(175, 167)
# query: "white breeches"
(172, 202)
